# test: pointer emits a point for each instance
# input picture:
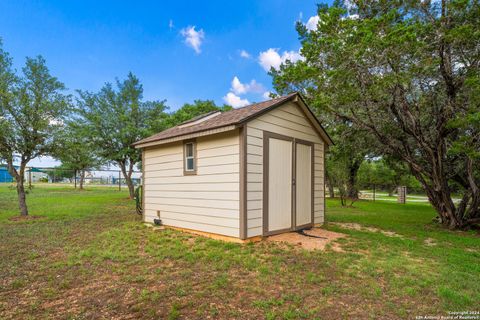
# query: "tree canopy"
(76, 150)
(116, 117)
(408, 74)
(32, 110)
(192, 110)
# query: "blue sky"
(87, 43)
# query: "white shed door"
(279, 185)
(303, 185)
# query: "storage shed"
(246, 173)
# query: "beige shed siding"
(319, 184)
(208, 201)
(287, 120)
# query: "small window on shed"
(189, 162)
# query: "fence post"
(119, 181)
(374, 192)
(402, 194)
(75, 177)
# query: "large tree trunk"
(439, 194)
(352, 190)
(22, 200)
(131, 187)
(127, 174)
(442, 202)
(19, 176)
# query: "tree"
(352, 144)
(32, 108)
(408, 73)
(338, 171)
(60, 173)
(115, 118)
(385, 174)
(76, 150)
(351, 148)
(189, 111)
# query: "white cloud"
(312, 23)
(241, 88)
(266, 95)
(170, 24)
(271, 58)
(193, 38)
(245, 54)
(237, 86)
(235, 101)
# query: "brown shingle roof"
(232, 117)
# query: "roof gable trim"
(314, 121)
(186, 136)
(306, 111)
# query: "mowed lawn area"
(90, 257)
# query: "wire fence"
(114, 178)
(91, 177)
(373, 192)
(399, 194)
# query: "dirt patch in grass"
(359, 227)
(430, 242)
(102, 263)
(315, 239)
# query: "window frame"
(187, 172)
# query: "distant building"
(5, 177)
(32, 174)
(35, 175)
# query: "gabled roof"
(235, 117)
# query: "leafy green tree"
(115, 118)
(351, 148)
(189, 111)
(32, 108)
(338, 171)
(76, 150)
(385, 174)
(408, 73)
(352, 144)
(60, 173)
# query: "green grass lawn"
(90, 257)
